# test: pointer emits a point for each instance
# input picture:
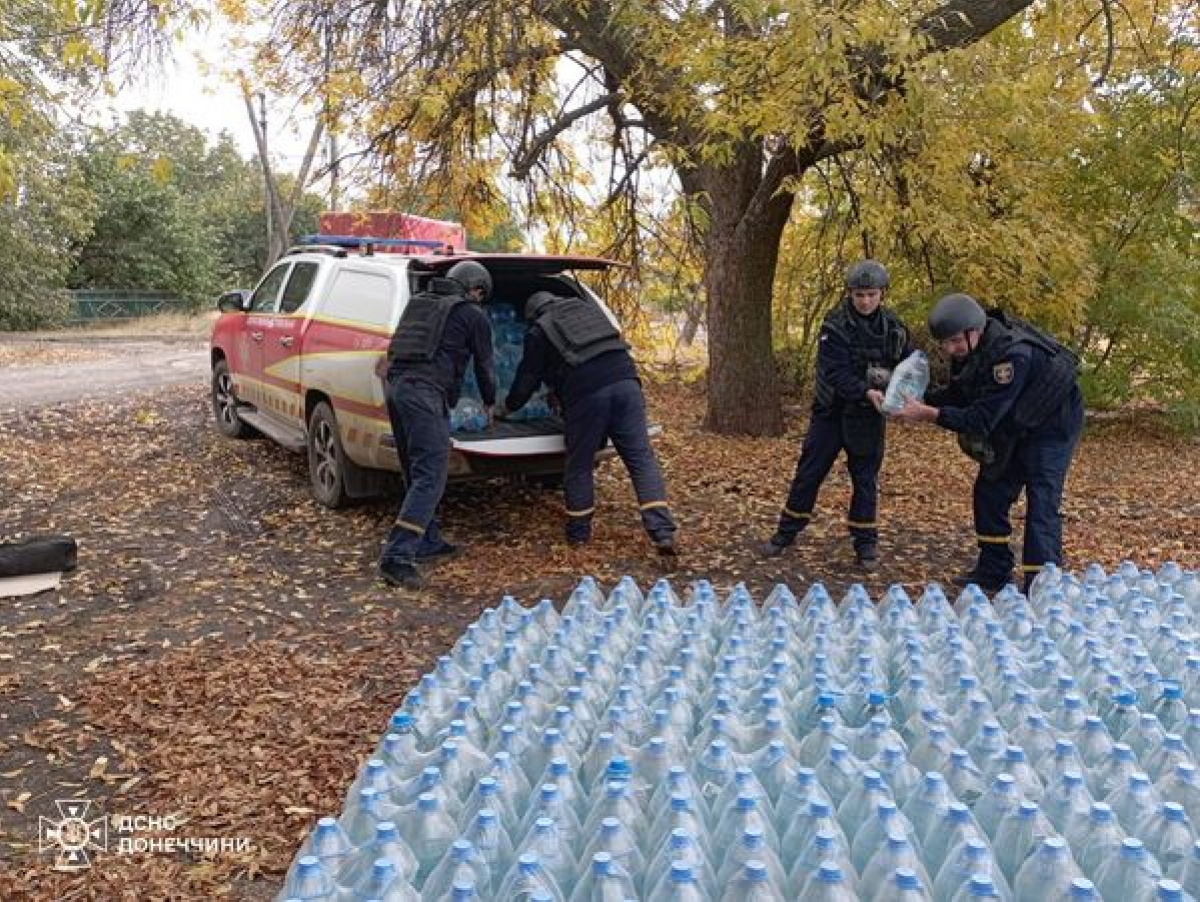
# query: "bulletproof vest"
(1045, 392)
(579, 330)
(419, 332)
(877, 340)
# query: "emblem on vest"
(1003, 373)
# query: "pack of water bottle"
(678, 745)
(508, 345)
(908, 382)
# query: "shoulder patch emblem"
(1003, 373)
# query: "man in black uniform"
(1016, 406)
(573, 346)
(439, 330)
(859, 345)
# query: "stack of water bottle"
(653, 747)
(508, 346)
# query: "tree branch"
(522, 166)
(963, 22)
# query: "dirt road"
(64, 370)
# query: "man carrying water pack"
(1015, 403)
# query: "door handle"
(287, 341)
(256, 336)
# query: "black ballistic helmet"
(470, 274)
(867, 274)
(537, 303)
(954, 314)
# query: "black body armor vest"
(579, 330)
(1045, 392)
(875, 341)
(419, 332)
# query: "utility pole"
(267, 204)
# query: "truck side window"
(361, 297)
(298, 286)
(267, 293)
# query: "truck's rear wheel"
(327, 461)
(225, 404)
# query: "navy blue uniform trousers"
(822, 444)
(617, 412)
(1038, 466)
(421, 425)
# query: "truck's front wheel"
(327, 461)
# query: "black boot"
(402, 574)
(867, 555)
(774, 546)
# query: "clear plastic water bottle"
(874, 831)
(862, 801)
(968, 859)
(1018, 835)
(330, 844)
(752, 847)
(309, 880)
(980, 886)
(463, 862)
(621, 845)
(429, 835)
(1135, 802)
(526, 878)
(1171, 709)
(1187, 872)
(928, 804)
(681, 885)
(605, 881)
(553, 852)
(681, 848)
(897, 852)
(361, 818)
(828, 884)
(384, 882)
(752, 885)
(1000, 798)
(945, 841)
(1131, 875)
(1047, 873)
(386, 844)
(827, 845)
(1168, 836)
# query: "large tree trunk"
(749, 212)
(743, 397)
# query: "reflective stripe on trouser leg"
(630, 437)
(818, 451)
(425, 430)
(864, 496)
(992, 500)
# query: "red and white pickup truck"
(295, 360)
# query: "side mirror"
(234, 301)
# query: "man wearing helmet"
(1015, 403)
(859, 345)
(440, 329)
(576, 349)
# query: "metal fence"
(94, 305)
